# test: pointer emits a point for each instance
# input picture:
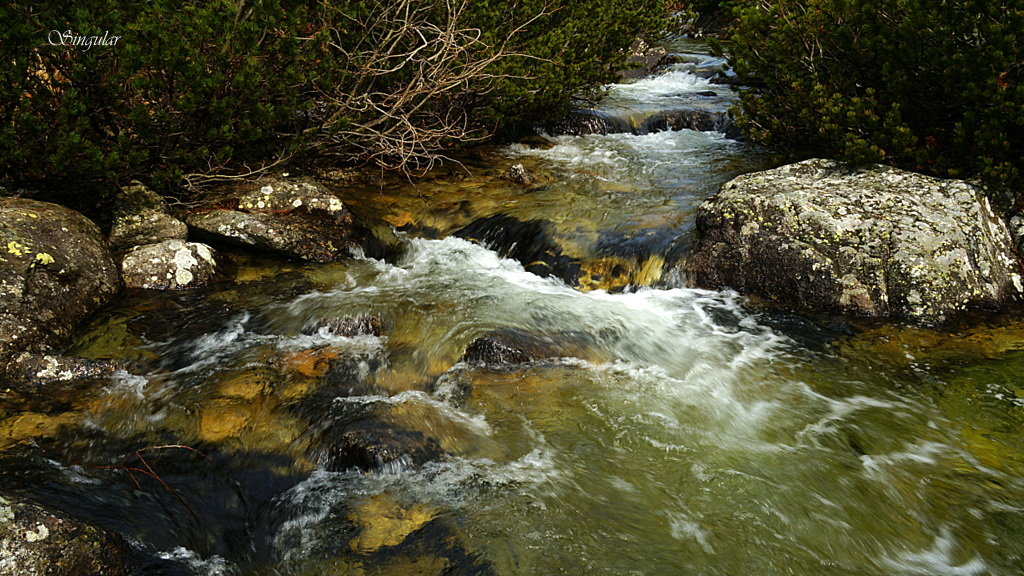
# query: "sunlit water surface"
(675, 431)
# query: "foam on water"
(940, 560)
(644, 158)
(213, 566)
(651, 88)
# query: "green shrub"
(187, 86)
(930, 86)
(199, 88)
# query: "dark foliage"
(931, 86)
(193, 90)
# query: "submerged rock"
(370, 446)
(495, 350)
(55, 270)
(141, 217)
(349, 326)
(296, 218)
(530, 243)
(169, 265)
(875, 241)
(35, 542)
(511, 346)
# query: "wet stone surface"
(35, 542)
(873, 241)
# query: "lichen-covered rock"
(55, 270)
(169, 265)
(296, 218)
(34, 542)
(280, 195)
(518, 174)
(141, 217)
(35, 373)
(874, 241)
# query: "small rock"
(141, 217)
(169, 265)
(372, 445)
(495, 350)
(348, 326)
(518, 174)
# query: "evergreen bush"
(200, 88)
(933, 86)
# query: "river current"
(671, 431)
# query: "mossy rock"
(55, 270)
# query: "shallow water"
(671, 430)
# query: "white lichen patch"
(172, 264)
(40, 533)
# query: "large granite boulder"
(35, 542)
(297, 218)
(873, 241)
(55, 270)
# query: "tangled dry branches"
(418, 73)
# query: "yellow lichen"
(44, 258)
(16, 248)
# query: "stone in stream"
(348, 326)
(36, 542)
(643, 59)
(367, 441)
(297, 218)
(582, 122)
(508, 347)
(530, 243)
(44, 375)
(169, 265)
(873, 241)
(55, 270)
(141, 217)
(518, 174)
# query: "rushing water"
(671, 431)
